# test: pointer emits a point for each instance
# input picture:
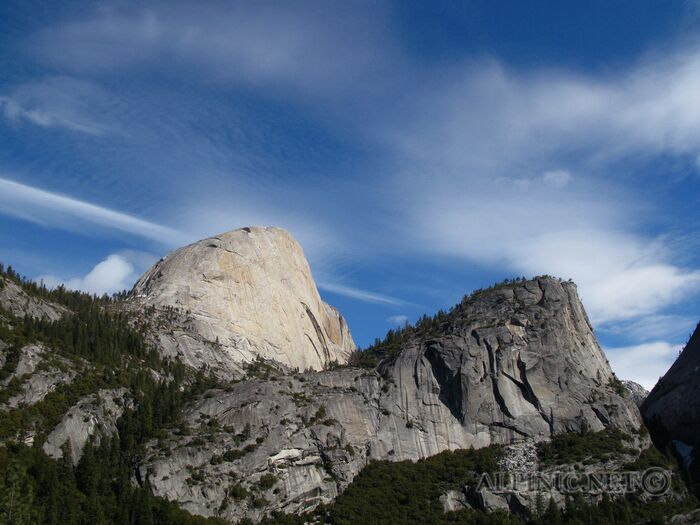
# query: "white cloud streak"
(290, 46)
(654, 327)
(359, 294)
(57, 211)
(557, 178)
(56, 102)
(485, 115)
(481, 137)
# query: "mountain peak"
(519, 358)
(243, 295)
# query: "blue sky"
(417, 151)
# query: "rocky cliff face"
(239, 296)
(519, 362)
(672, 409)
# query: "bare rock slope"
(39, 371)
(21, 304)
(517, 362)
(239, 296)
(92, 418)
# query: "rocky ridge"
(512, 365)
(525, 478)
(517, 362)
(38, 372)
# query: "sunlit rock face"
(239, 296)
(515, 363)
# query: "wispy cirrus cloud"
(56, 102)
(572, 233)
(58, 211)
(294, 47)
(530, 117)
(500, 147)
(654, 327)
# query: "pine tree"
(144, 508)
(17, 498)
(70, 508)
(87, 477)
(538, 510)
(50, 490)
(552, 516)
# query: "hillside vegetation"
(35, 489)
(404, 493)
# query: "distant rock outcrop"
(248, 294)
(93, 417)
(637, 391)
(512, 363)
(39, 371)
(20, 303)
